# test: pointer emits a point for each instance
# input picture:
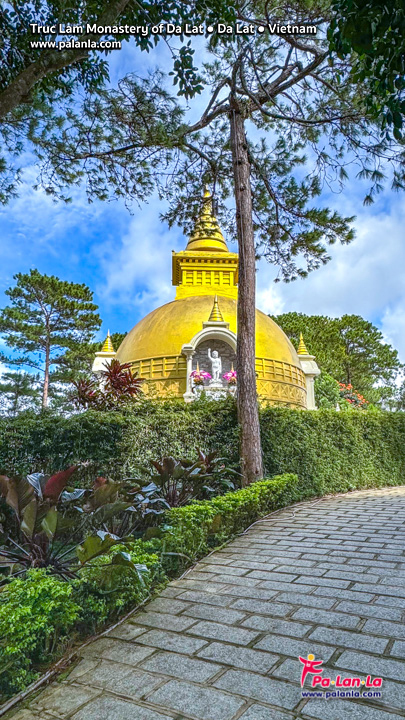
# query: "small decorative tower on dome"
(311, 371)
(104, 357)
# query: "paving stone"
(196, 701)
(262, 607)
(64, 699)
(367, 610)
(259, 712)
(398, 648)
(121, 679)
(391, 602)
(126, 631)
(216, 631)
(240, 657)
(171, 591)
(261, 688)
(306, 601)
(112, 708)
(385, 627)
(344, 594)
(393, 669)
(181, 666)
(210, 612)
(324, 617)
(235, 580)
(166, 605)
(276, 576)
(163, 621)
(118, 650)
(275, 625)
(227, 569)
(338, 709)
(290, 646)
(170, 641)
(327, 582)
(205, 597)
(259, 593)
(342, 638)
(395, 590)
(287, 587)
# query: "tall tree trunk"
(248, 414)
(46, 379)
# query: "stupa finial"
(207, 234)
(216, 315)
(107, 345)
(302, 350)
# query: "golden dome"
(165, 330)
(161, 347)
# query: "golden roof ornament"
(107, 345)
(302, 350)
(216, 315)
(207, 234)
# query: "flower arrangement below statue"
(199, 376)
(230, 377)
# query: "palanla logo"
(313, 667)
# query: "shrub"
(35, 614)
(193, 529)
(98, 601)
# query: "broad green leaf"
(50, 523)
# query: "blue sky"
(126, 259)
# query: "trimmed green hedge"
(37, 613)
(328, 450)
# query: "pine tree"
(46, 318)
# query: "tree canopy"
(374, 32)
(350, 349)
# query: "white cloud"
(138, 271)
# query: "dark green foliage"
(18, 391)
(328, 450)
(349, 348)
(35, 614)
(375, 31)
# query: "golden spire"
(207, 234)
(108, 346)
(302, 350)
(216, 315)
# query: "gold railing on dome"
(173, 367)
(281, 371)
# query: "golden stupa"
(177, 338)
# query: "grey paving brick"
(385, 627)
(233, 579)
(276, 576)
(132, 684)
(118, 650)
(181, 666)
(240, 657)
(261, 688)
(204, 597)
(216, 614)
(395, 590)
(325, 617)
(262, 607)
(257, 592)
(391, 602)
(393, 669)
(170, 641)
(276, 625)
(64, 699)
(337, 709)
(226, 569)
(196, 701)
(368, 610)
(305, 600)
(287, 587)
(344, 594)
(113, 708)
(343, 638)
(164, 621)
(398, 648)
(327, 582)
(126, 631)
(259, 712)
(166, 605)
(216, 631)
(293, 647)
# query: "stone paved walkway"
(223, 642)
